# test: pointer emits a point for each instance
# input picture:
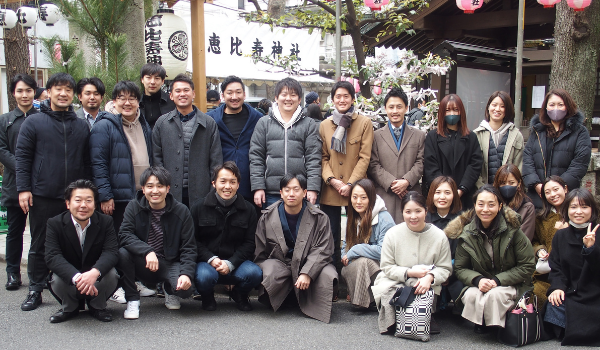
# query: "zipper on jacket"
(66, 155)
(285, 150)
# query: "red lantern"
(469, 6)
(548, 4)
(375, 5)
(377, 88)
(579, 5)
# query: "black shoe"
(434, 327)
(101, 314)
(62, 316)
(196, 296)
(14, 281)
(479, 329)
(33, 300)
(208, 302)
(241, 299)
(160, 290)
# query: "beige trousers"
(491, 306)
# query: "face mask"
(452, 119)
(557, 114)
(508, 192)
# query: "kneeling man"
(294, 246)
(157, 243)
(225, 226)
(81, 251)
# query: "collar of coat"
(211, 200)
(18, 113)
(200, 117)
(572, 122)
(143, 202)
(510, 219)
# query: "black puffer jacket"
(569, 157)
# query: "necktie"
(397, 132)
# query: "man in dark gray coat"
(90, 92)
(187, 143)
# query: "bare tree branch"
(255, 2)
(323, 6)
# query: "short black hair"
(314, 112)
(81, 184)
(343, 85)
(162, 174)
(229, 165)
(290, 84)
(396, 92)
(38, 92)
(231, 79)
(212, 96)
(153, 69)
(287, 178)
(183, 78)
(264, 105)
(126, 86)
(60, 79)
(584, 197)
(91, 81)
(25, 78)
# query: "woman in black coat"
(453, 150)
(574, 294)
(558, 144)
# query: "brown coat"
(388, 164)
(349, 167)
(312, 256)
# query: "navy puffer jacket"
(112, 167)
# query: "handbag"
(523, 323)
(542, 266)
(414, 320)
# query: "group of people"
(153, 192)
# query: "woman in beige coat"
(397, 155)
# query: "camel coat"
(389, 164)
(311, 256)
(349, 167)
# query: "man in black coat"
(155, 101)
(157, 243)
(81, 251)
(225, 226)
(23, 89)
(52, 151)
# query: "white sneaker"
(144, 291)
(133, 310)
(172, 302)
(119, 296)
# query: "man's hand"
(152, 262)
(311, 196)
(460, 193)
(336, 184)
(485, 285)
(399, 186)
(303, 282)
(345, 190)
(108, 206)
(85, 283)
(183, 283)
(538, 189)
(259, 198)
(223, 269)
(25, 201)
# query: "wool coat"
(349, 167)
(388, 164)
(527, 213)
(467, 163)
(513, 152)
(576, 271)
(312, 256)
(568, 158)
(205, 153)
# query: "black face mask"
(452, 119)
(508, 192)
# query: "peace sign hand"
(590, 238)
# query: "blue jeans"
(245, 277)
(270, 199)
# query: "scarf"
(343, 121)
(225, 202)
(579, 226)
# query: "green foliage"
(70, 59)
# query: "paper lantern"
(166, 42)
(579, 5)
(8, 18)
(375, 5)
(356, 85)
(469, 6)
(49, 14)
(27, 16)
(548, 4)
(377, 88)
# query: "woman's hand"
(345, 260)
(557, 297)
(485, 285)
(423, 284)
(417, 273)
(590, 238)
(542, 254)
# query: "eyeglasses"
(132, 100)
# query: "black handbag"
(524, 327)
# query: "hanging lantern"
(49, 14)
(8, 18)
(579, 5)
(166, 42)
(27, 16)
(469, 6)
(548, 4)
(356, 85)
(377, 88)
(375, 5)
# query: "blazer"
(64, 255)
(388, 164)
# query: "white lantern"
(166, 42)
(27, 16)
(49, 14)
(8, 18)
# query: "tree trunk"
(576, 53)
(365, 87)
(133, 27)
(276, 8)
(16, 53)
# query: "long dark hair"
(547, 207)
(569, 104)
(442, 128)
(584, 197)
(437, 182)
(364, 233)
(492, 230)
(501, 176)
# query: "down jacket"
(112, 167)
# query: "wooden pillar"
(198, 53)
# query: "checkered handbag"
(413, 322)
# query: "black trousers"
(335, 220)
(42, 210)
(118, 215)
(17, 220)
